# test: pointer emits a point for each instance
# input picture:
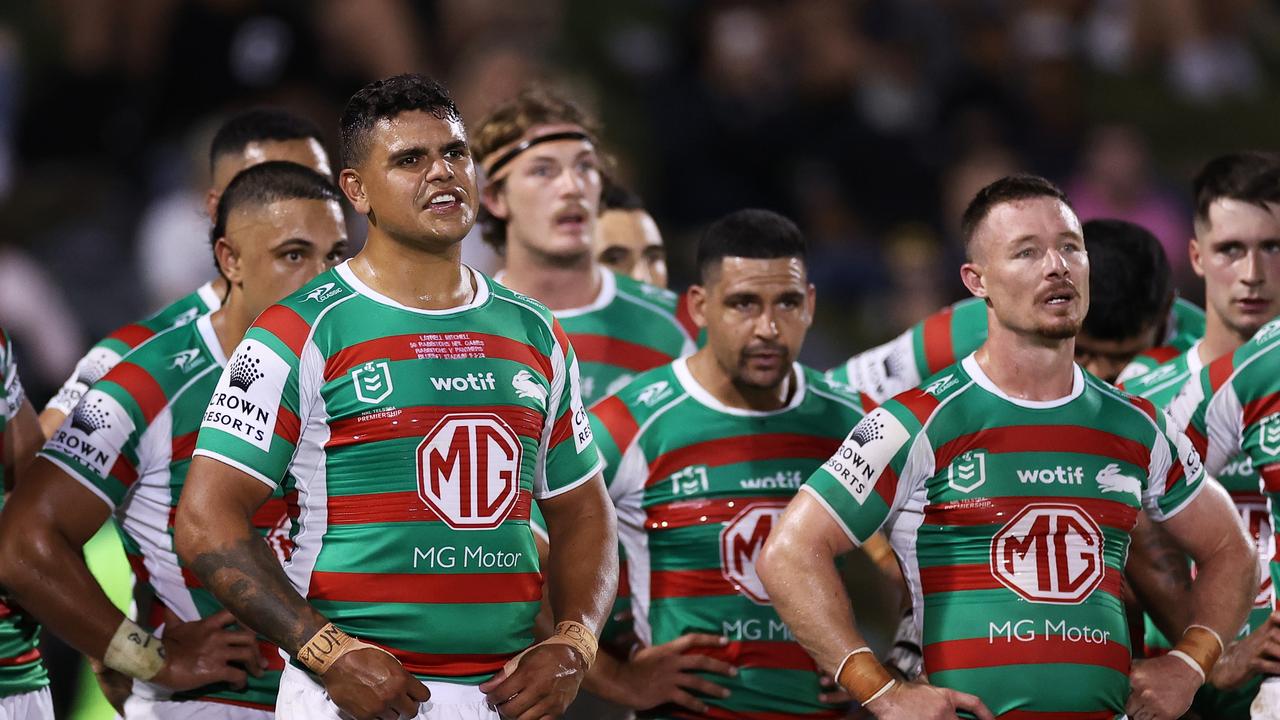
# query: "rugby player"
(24, 684)
(541, 201)
(418, 408)
(1134, 310)
(1009, 483)
(627, 239)
(701, 456)
(246, 139)
(1236, 250)
(125, 451)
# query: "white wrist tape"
(134, 652)
(1190, 661)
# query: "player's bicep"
(23, 439)
(1206, 523)
(213, 485)
(50, 501)
(810, 523)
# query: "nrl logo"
(967, 472)
(372, 382)
(1269, 434)
(654, 393)
(940, 385)
(323, 292)
(186, 361)
(526, 387)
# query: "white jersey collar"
(209, 297)
(481, 297)
(204, 325)
(699, 393)
(970, 365)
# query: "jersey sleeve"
(883, 371)
(860, 486)
(98, 442)
(1176, 473)
(12, 384)
(252, 421)
(90, 369)
(568, 455)
(1216, 422)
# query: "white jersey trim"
(699, 393)
(971, 366)
(209, 297)
(608, 291)
(204, 325)
(251, 472)
(349, 277)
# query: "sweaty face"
(281, 246)
(756, 313)
(550, 197)
(628, 243)
(417, 182)
(306, 152)
(1029, 262)
(1237, 252)
(1108, 358)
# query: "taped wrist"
(574, 634)
(326, 646)
(1200, 647)
(863, 677)
(134, 651)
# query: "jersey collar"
(481, 283)
(974, 370)
(699, 393)
(209, 297)
(204, 326)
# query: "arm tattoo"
(248, 580)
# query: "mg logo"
(1049, 553)
(1269, 434)
(1258, 521)
(968, 471)
(740, 544)
(469, 470)
(372, 382)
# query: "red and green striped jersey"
(697, 486)
(1186, 326)
(1012, 521)
(629, 328)
(1161, 385)
(107, 352)
(416, 441)
(21, 670)
(1236, 413)
(946, 336)
(129, 441)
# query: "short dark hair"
(258, 125)
(749, 233)
(1233, 176)
(616, 196)
(1010, 188)
(533, 106)
(1130, 284)
(385, 99)
(269, 182)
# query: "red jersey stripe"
(29, 656)
(618, 421)
(1046, 438)
(767, 654)
(416, 422)
(448, 665)
(131, 335)
(937, 341)
(287, 325)
(1198, 439)
(1270, 477)
(748, 448)
(288, 427)
(1220, 371)
(981, 653)
(997, 511)
(689, 583)
(1256, 410)
(618, 352)
(142, 387)
(977, 576)
(124, 472)
(461, 346)
(563, 428)
(183, 446)
(919, 403)
(399, 507)
(423, 588)
(266, 517)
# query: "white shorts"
(302, 698)
(34, 705)
(144, 708)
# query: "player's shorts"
(144, 708)
(590, 707)
(34, 705)
(302, 698)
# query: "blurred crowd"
(869, 121)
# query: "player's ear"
(810, 303)
(495, 200)
(228, 260)
(973, 279)
(353, 187)
(211, 199)
(698, 305)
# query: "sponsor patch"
(94, 433)
(1049, 553)
(469, 470)
(968, 471)
(247, 400)
(864, 455)
(740, 544)
(372, 382)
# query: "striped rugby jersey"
(1235, 405)
(129, 441)
(416, 441)
(107, 352)
(21, 670)
(1012, 521)
(698, 485)
(953, 332)
(1161, 385)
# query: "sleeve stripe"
(287, 325)
(937, 341)
(835, 516)
(596, 468)
(288, 427)
(131, 335)
(142, 387)
(255, 474)
(617, 420)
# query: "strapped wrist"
(568, 632)
(863, 677)
(325, 647)
(1199, 647)
(134, 652)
